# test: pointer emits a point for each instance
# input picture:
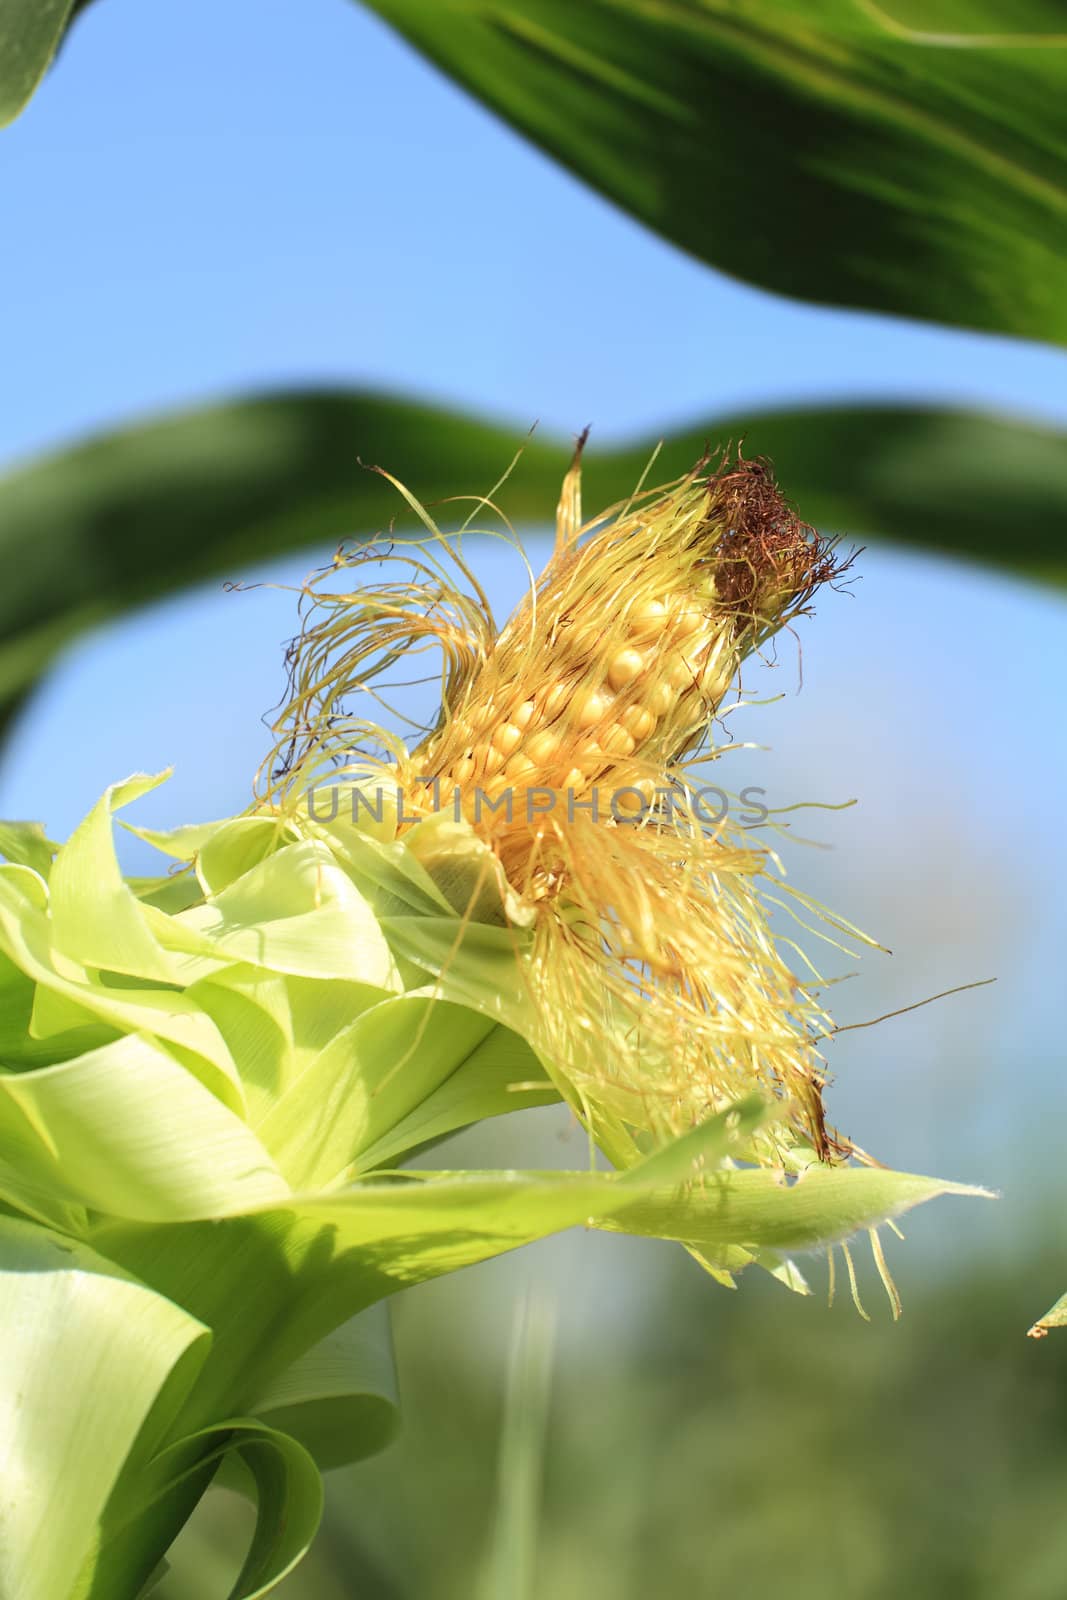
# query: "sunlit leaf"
(87, 1353)
(760, 1209)
(127, 1132)
(854, 154)
(890, 155)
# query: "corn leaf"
(68, 999)
(501, 1074)
(30, 31)
(385, 1066)
(127, 1131)
(273, 1468)
(758, 1209)
(227, 486)
(339, 1399)
(260, 1050)
(87, 1355)
(1055, 1317)
(929, 142)
(866, 155)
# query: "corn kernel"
(522, 715)
(589, 754)
(679, 673)
(541, 747)
(649, 617)
(660, 698)
(557, 699)
(638, 721)
(615, 741)
(505, 737)
(627, 665)
(590, 708)
(464, 770)
(687, 620)
(626, 802)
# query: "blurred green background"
(315, 206)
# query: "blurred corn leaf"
(890, 154)
(1055, 1317)
(134, 514)
(30, 31)
(509, 1565)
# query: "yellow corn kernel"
(638, 721)
(660, 698)
(523, 713)
(649, 617)
(589, 708)
(519, 768)
(627, 665)
(492, 761)
(615, 741)
(543, 746)
(679, 672)
(589, 754)
(575, 781)
(632, 798)
(686, 621)
(557, 699)
(505, 737)
(464, 770)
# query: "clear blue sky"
(211, 196)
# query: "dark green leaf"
(904, 155)
(133, 515)
(30, 30)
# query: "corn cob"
(614, 669)
(657, 992)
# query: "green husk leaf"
(127, 1132)
(339, 1399)
(96, 919)
(374, 1072)
(72, 998)
(25, 844)
(501, 1074)
(759, 1209)
(88, 1353)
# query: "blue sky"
(207, 198)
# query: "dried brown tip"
(767, 561)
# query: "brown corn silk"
(658, 994)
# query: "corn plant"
(213, 1079)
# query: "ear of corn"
(208, 1073)
(656, 990)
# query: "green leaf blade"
(935, 172)
(87, 1353)
(30, 32)
(226, 486)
